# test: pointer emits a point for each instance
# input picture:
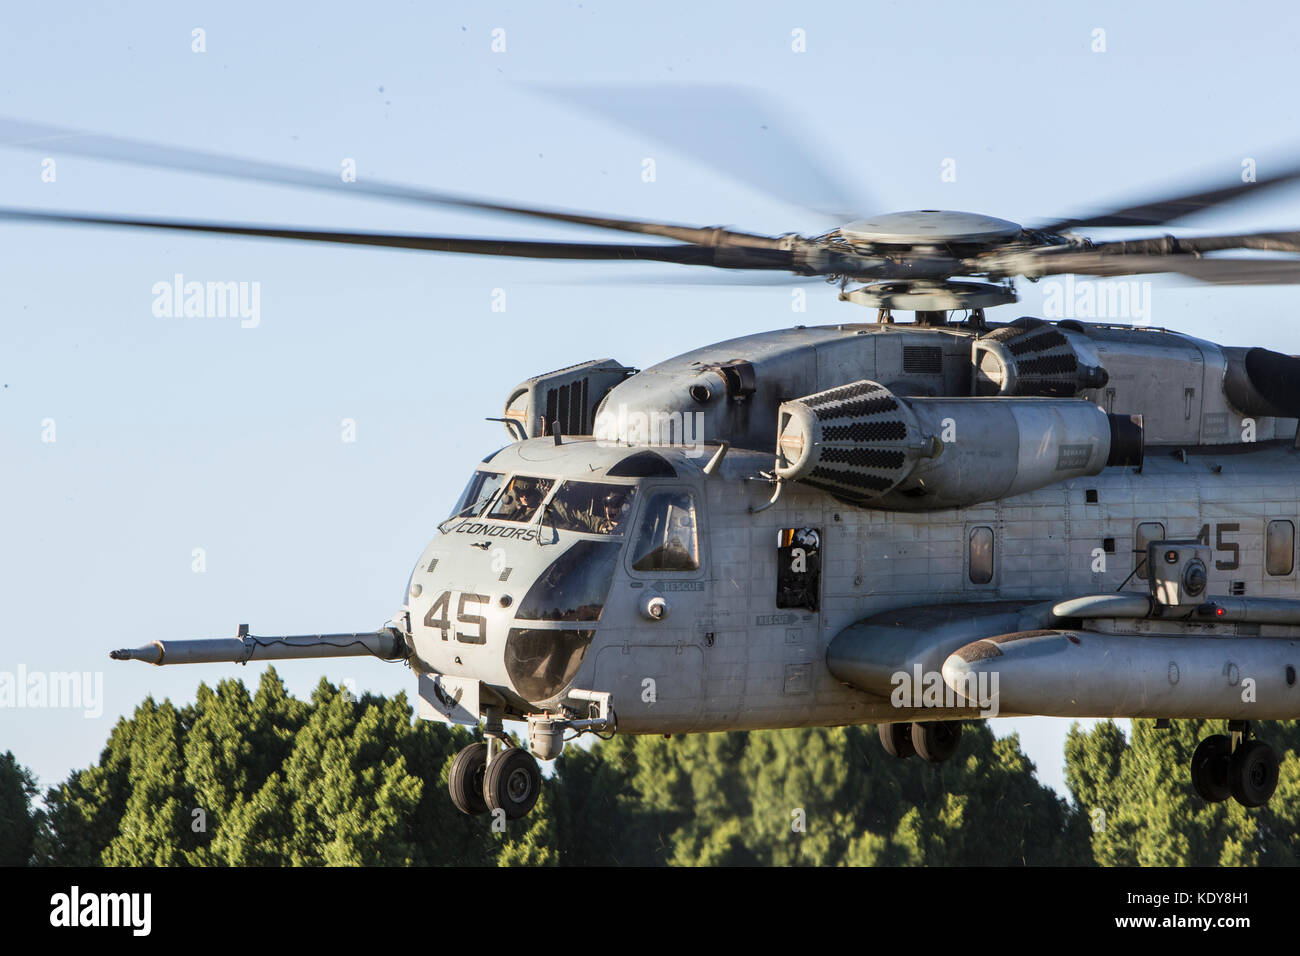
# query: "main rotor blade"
(730, 128)
(1158, 212)
(1215, 271)
(42, 137)
(702, 277)
(1288, 241)
(686, 254)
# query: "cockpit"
(587, 507)
(528, 563)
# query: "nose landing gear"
(465, 781)
(497, 776)
(1234, 765)
(512, 783)
(493, 775)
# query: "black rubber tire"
(465, 781)
(513, 782)
(1210, 768)
(896, 739)
(936, 740)
(1252, 774)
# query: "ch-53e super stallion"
(911, 524)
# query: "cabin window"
(1147, 532)
(668, 538)
(981, 555)
(798, 567)
(1279, 548)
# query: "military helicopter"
(912, 524)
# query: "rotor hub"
(931, 296)
(931, 227)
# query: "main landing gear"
(1235, 765)
(933, 740)
(491, 776)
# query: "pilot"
(527, 498)
(587, 517)
(611, 514)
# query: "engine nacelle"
(1033, 357)
(867, 446)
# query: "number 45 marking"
(1231, 547)
(440, 609)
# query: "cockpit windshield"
(520, 500)
(591, 507)
(477, 494)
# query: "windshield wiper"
(541, 523)
(459, 514)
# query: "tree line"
(253, 779)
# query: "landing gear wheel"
(936, 740)
(466, 779)
(512, 783)
(896, 739)
(1252, 773)
(1210, 768)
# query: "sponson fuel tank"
(868, 446)
(1076, 673)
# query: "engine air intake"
(868, 446)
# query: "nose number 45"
(439, 617)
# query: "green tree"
(265, 779)
(1144, 811)
(822, 796)
(20, 822)
(535, 843)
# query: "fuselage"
(742, 645)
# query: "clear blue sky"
(176, 434)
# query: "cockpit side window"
(668, 537)
(591, 507)
(478, 493)
(520, 500)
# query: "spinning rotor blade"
(1162, 254)
(733, 130)
(1171, 245)
(686, 254)
(1157, 212)
(38, 136)
(1214, 271)
(1240, 271)
(728, 277)
(800, 256)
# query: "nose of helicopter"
(493, 603)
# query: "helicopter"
(911, 524)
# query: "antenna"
(716, 460)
